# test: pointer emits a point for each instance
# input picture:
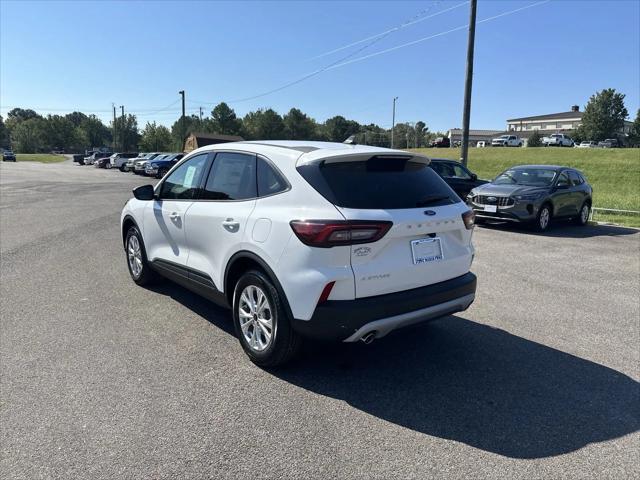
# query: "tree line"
(29, 132)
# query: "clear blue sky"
(58, 57)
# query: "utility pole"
(115, 131)
(181, 92)
(393, 120)
(464, 153)
(123, 133)
(200, 113)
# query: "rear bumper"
(349, 320)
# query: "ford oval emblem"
(431, 213)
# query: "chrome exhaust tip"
(368, 337)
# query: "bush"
(535, 140)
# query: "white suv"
(332, 241)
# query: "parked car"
(159, 167)
(609, 143)
(8, 156)
(119, 160)
(79, 158)
(129, 166)
(534, 194)
(440, 142)
(506, 141)
(557, 140)
(481, 144)
(588, 145)
(140, 165)
(300, 251)
(95, 156)
(103, 162)
(457, 176)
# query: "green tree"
(535, 140)
(59, 133)
(126, 132)
(603, 116)
(155, 138)
(192, 124)
(4, 134)
(421, 132)
(77, 118)
(263, 125)
(338, 128)
(298, 126)
(373, 134)
(21, 114)
(634, 135)
(96, 133)
(27, 136)
(224, 121)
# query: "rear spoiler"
(333, 156)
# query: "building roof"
(549, 116)
(458, 131)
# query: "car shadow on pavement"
(217, 316)
(460, 380)
(566, 230)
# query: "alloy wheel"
(584, 214)
(256, 318)
(544, 218)
(134, 255)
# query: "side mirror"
(145, 192)
(474, 177)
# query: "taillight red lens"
(326, 291)
(331, 233)
(469, 219)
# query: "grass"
(613, 173)
(40, 157)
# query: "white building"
(562, 122)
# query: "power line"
(319, 71)
(462, 27)
(392, 30)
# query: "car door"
(216, 222)
(164, 217)
(562, 196)
(457, 177)
(579, 191)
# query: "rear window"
(379, 183)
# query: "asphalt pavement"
(100, 378)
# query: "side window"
(461, 173)
(269, 180)
(184, 181)
(575, 179)
(562, 180)
(232, 177)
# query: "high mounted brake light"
(331, 233)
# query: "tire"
(266, 335)
(543, 220)
(583, 216)
(146, 275)
(107, 165)
(161, 173)
(122, 168)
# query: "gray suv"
(534, 194)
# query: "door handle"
(174, 215)
(231, 225)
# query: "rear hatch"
(428, 242)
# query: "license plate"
(490, 208)
(426, 250)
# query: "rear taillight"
(331, 233)
(469, 219)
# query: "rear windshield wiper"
(431, 199)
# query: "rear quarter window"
(381, 182)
